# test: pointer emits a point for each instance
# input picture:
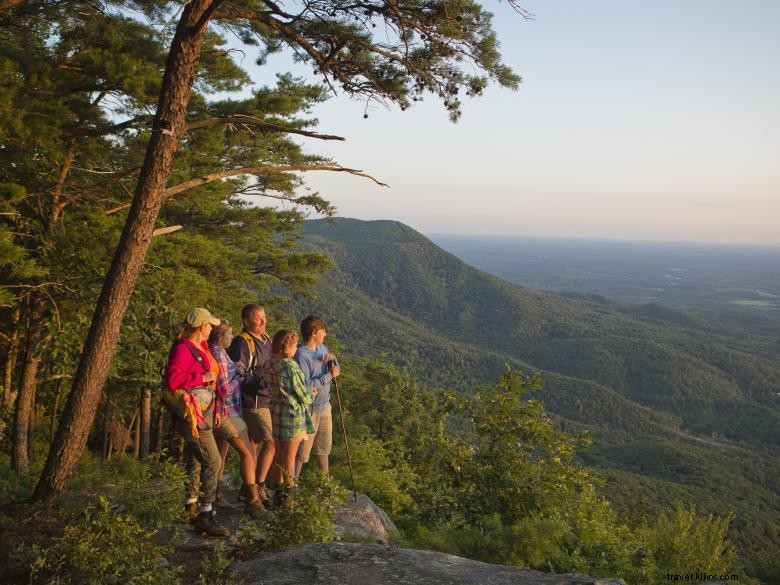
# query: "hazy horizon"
(768, 245)
(633, 122)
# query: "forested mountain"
(681, 407)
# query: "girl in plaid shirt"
(231, 430)
(289, 402)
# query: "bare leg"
(246, 461)
(278, 466)
(265, 460)
(290, 453)
(298, 467)
(322, 462)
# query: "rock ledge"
(377, 564)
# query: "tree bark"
(146, 422)
(106, 419)
(10, 361)
(31, 433)
(55, 410)
(157, 442)
(26, 398)
(167, 128)
(136, 428)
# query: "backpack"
(250, 342)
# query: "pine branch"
(245, 120)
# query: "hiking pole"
(344, 428)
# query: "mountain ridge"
(394, 292)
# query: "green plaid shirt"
(289, 398)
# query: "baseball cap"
(199, 316)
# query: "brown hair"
(282, 339)
(310, 325)
(248, 310)
(185, 330)
(218, 331)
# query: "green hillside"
(654, 385)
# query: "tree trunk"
(157, 442)
(26, 397)
(136, 428)
(146, 422)
(167, 127)
(10, 361)
(31, 433)
(106, 426)
(55, 410)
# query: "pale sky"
(635, 120)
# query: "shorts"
(230, 427)
(258, 424)
(321, 441)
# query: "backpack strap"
(196, 354)
(252, 349)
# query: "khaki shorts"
(321, 441)
(229, 427)
(258, 423)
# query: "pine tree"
(425, 47)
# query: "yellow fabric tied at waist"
(192, 414)
(191, 404)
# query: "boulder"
(377, 564)
(364, 519)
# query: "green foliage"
(489, 477)
(214, 568)
(679, 541)
(104, 547)
(117, 523)
(150, 492)
(308, 519)
(679, 405)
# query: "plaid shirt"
(228, 383)
(289, 398)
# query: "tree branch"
(257, 122)
(191, 184)
(166, 230)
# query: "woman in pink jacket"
(190, 377)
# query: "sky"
(634, 120)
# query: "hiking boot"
(245, 492)
(206, 523)
(252, 501)
(219, 500)
(265, 496)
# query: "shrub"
(106, 547)
(309, 519)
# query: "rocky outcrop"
(376, 564)
(364, 519)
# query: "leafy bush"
(152, 493)
(213, 569)
(103, 530)
(104, 548)
(680, 541)
(309, 519)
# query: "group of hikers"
(268, 398)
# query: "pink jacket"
(183, 370)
